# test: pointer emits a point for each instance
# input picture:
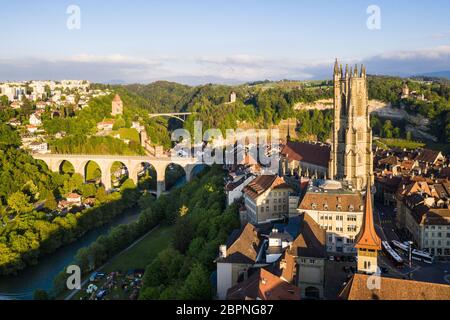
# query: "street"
(438, 272)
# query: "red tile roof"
(307, 152)
(394, 289)
(262, 183)
(243, 247)
(263, 285)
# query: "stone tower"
(368, 243)
(405, 91)
(117, 106)
(351, 157)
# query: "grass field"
(127, 134)
(401, 143)
(139, 256)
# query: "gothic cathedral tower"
(351, 155)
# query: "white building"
(38, 147)
(267, 199)
(337, 210)
(235, 188)
(35, 120)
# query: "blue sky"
(197, 41)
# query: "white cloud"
(429, 53)
(219, 68)
(443, 35)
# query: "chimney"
(223, 251)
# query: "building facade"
(267, 199)
(336, 210)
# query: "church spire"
(368, 237)
(336, 68)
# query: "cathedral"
(351, 157)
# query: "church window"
(343, 105)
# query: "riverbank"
(40, 276)
(137, 256)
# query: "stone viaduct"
(134, 164)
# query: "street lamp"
(410, 258)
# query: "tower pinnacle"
(368, 237)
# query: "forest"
(182, 271)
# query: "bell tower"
(368, 243)
(351, 155)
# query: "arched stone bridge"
(176, 115)
(134, 165)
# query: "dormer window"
(351, 208)
(314, 206)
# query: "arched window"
(343, 105)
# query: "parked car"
(331, 258)
(101, 294)
(95, 276)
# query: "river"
(41, 276)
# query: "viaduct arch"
(133, 164)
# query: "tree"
(88, 190)
(197, 285)
(8, 137)
(101, 195)
(4, 101)
(50, 202)
(184, 233)
(387, 129)
(408, 135)
(20, 202)
(40, 294)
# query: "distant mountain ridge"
(438, 74)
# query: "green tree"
(40, 294)
(20, 202)
(4, 101)
(197, 285)
(88, 190)
(387, 129)
(50, 202)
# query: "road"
(384, 218)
